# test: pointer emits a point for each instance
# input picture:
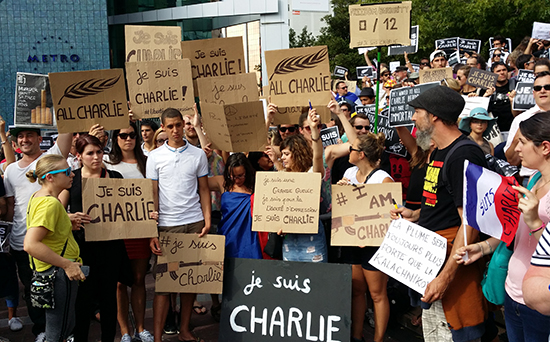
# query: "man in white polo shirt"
(179, 172)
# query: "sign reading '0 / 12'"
(380, 25)
(270, 300)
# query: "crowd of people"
(201, 190)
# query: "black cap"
(401, 68)
(441, 101)
(14, 131)
(368, 92)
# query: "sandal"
(200, 309)
(216, 312)
(196, 339)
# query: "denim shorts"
(306, 247)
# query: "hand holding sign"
(529, 204)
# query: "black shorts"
(359, 256)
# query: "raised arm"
(196, 121)
(7, 147)
(317, 145)
(64, 142)
(407, 62)
(407, 139)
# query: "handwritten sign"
(392, 142)
(400, 112)
(340, 71)
(541, 31)
(214, 57)
(5, 231)
(401, 49)
(287, 201)
(296, 75)
(120, 208)
(527, 76)
(155, 86)
(238, 127)
(380, 25)
(190, 264)
(228, 89)
(361, 214)
(449, 45)
(285, 301)
(291, 115)
(411, 254)
(473, 102)
(329, 136)
(481, 78)
(33, 101)
(152, 43)
(469, 45)
(434, 75)
(524, 98)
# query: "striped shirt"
(541, 257)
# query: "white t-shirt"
(127, 170)
(176, 171)
(376, 178)
(18, 186)
(145, 152)
(514, 127)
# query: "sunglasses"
(360, 127)
(290, 129)
(344, 109)
(309, 128)
(497, 55)
(385, 75)
(125, 136)
(67, 172)
(539, 87)
(527, 63)
(353, 149)
(425, 63)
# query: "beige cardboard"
(297, 76)
(287, 201)
(238, 127)
(352, 86)
(120, 208)
(190, 264)
(214, 57)
(361, 214)
(82, 99)
(152, 43)
(434, 75)
(380, 25)
(157, 85)
(228, 89)
(291, 115)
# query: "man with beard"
(455, 294)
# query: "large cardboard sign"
(120, 208)
(33, 101)
(152, 43)
(400, 112)
(541, 31)
(190, 264)
(449, 45)
(228, 89)
(155, 86)
(524, 98)
(474, 102)
(340, 71)
(524, 75)
(380, 25)
(434, 75)
(329, 136)
(401, 49)
(271, 300)
(291, 115)
(5, 231)
(299, 75)
(361, 214)
(214, 57)
(411, 254)
(287, 201)
(84, 98)
(481, 78)
(392, 142)
(469, 45)
(238, 127)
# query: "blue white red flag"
(490, 204)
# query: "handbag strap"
(371, 174)
(62, 253)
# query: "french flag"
(490, 204)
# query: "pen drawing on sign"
(298, 63)
(87, 88)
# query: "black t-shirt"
(75, 191)
(439, 207)
(501, 107)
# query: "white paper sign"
(411, 254)
(541, 31)
(473, 102)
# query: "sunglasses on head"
(360, 127)
(125, 136)
(67, 172)
(290, 129)
(539, 87)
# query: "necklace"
(540, 187)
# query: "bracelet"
(536, 230)
(319, 137)
(3, 142)
(490, 248)
(481, 249)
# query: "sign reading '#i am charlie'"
(481, 78)
(190, 264)
(380, 25)
(361, 214)
(152, 43)
(287, 201)
(120, 208)
(228, 89)
(155, 86)
(84, 98)
(271, 300)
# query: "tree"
(304, 39)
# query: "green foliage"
(304, 39)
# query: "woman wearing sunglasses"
(51, 245)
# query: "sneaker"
(145, 336)
(126, 338)
(15, 324)
(70, 338)
(41, 337)
(170, 328)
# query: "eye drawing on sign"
(88, 88)
(299, 63)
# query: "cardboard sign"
(291, 115)
(434, 75)
(5, 231)
(380, 25)
(541, 31)
(469, 45)
(401, 49)
(120, 208)
(363, 71)
(228, 89)
(287, 201)
(449, 45)
(527, 76)
(361, 214)
(340, 71)
(190, 264)
(296, 75)
(400, 112)
(329, 136)
(85, 98)
(152, 43)
(352, 87)
(214, 57)
(474, 102)
(524, 98)
(481, 78)
(392, 138)
(411, 254)
(272, 300)
(33, 101)
(238, 127)
(155, 86)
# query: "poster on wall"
(33, 101)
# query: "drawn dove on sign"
(298, 63)
(89, 87)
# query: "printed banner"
(469, 45)
(363, 71)
(524, 98)
(152, 43)
(400, 112)
(5, 231)
(33, 101)
(228, 89)
(401, 49)
(473, 102)
(449, 45)
(340, 71)
(481, 78)
(525, 76)
(329, 136)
